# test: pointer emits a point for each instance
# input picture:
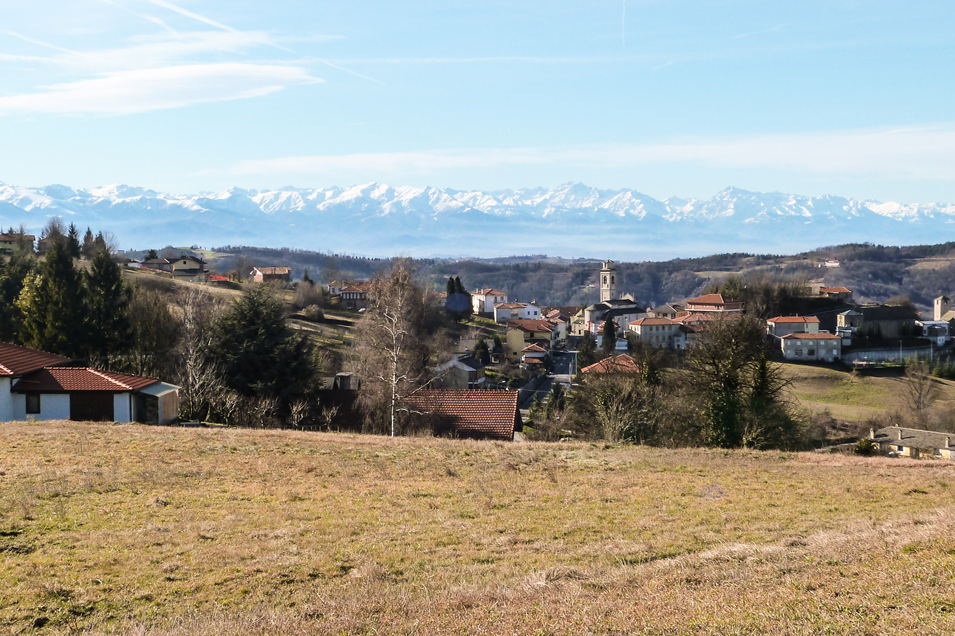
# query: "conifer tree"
(89, 244)
(52, 307)
(609, 337)
(73, 241)
(107, 299)
(13, 274)
(259, 355)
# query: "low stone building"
(824, 347)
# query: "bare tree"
(919, 389)
(393, 352)
(200, 375)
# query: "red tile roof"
(533, 348)
(69, 379)
(653, 321)
(834, 290)
(16, 360)
(480, 414)
(273, 270)
(531, 326)
(614, 364)
(217, 279)
(810, 336)
(794, 319)
(510, 306)
(488, 292)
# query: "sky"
(670, 99)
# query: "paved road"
(562, 373)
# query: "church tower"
(608, 282)
(942, 306)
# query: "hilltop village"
(466, 363)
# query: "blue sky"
(848, 98)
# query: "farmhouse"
(39, 385)
(913, 442)
(271, 274)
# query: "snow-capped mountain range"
(570, 220)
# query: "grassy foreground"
(151, 530)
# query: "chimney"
(871, 433)
(948, 442)
(900, 433)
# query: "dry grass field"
(154, 530)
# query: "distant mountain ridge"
(570, 220)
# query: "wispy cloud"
(47, 45)
(912, 153)
(189, 14)
(127, 92)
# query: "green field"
(854, 397)
(153, 530)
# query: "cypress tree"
(609, 337)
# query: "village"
(508, 361)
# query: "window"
(33, 403)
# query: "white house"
(784, 325)
(35, 384)
(516, 311)
(811, 346)
(483, 301)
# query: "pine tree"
(100, 242)
(52, 307)
(107, 300)
(13, 275)
(73, 242)
(89, 245)
(152, 255)
(259, 354)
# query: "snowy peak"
(572, 219)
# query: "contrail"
(623, 26)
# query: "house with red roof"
(40, 385)
(521, 333)
(713, 303)
(516, 311)
(811, 346)
(490, 415)
(660, 333)
(784, 325)
(614, 364)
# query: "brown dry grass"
(149, 530)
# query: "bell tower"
(608, 281)
(942, 305)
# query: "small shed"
(267, 274)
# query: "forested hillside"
(873, 272)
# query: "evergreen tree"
(89, 245)
(259, 355)
(152, 255)
(100, 243)
(107, 301)
(587, 353)
(305, 278)
(52, 307)
(609, 337)
(13, 274)
(481, 352)
(73, 242)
